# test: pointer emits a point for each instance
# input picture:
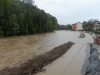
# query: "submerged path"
(71, 63)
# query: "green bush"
(96, 31)
(1, 33)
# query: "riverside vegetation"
(21, 17)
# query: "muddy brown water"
(19, 48)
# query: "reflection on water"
(14, 49)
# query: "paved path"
(71, 63)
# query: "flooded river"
(14, 49)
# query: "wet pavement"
(72, 62)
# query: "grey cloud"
(71, 11)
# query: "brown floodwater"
(19, 48)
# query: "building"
(93, 20)
(96, 26)
(77, 26)
(74, 26)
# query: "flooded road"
(72, 62)
(14, 49)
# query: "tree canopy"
(64, 27)
(21, 17)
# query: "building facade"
(77, 26)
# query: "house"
(74, 26)
(96, 26)
(93, 20)
(77, 26)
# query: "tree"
(84, 25)
(21, 17)
(13, 26)
(21, 20)
(89, 27)
(27, 4)
(5, 8)
(49, 25)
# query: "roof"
(96, 25)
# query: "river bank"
(36, 63)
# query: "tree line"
(22, 17)
(64, 27)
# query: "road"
(71, 63)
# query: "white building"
(77, 26)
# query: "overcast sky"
(71, 11)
